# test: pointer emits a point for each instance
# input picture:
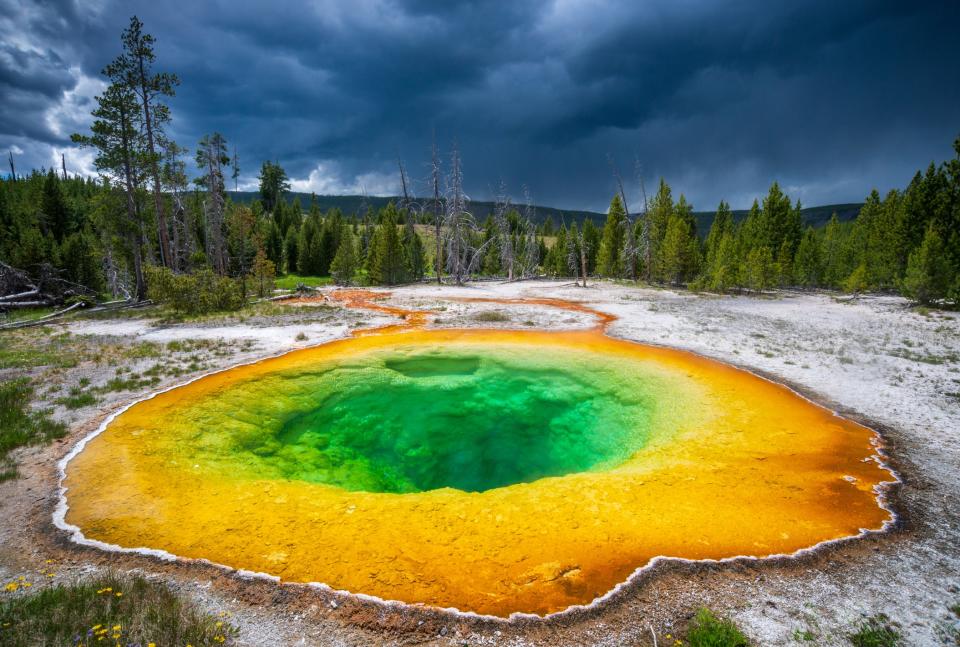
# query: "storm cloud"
(831, 99)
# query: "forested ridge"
(158, 222)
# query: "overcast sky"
(831, 98)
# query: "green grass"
(27, 314)
(875, 631)
(707, 630)
(108, 610)
(19, 425)
(77, 399)
(290, 281)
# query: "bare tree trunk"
(629, 240)
(132, 212)
(645, 236)
(507, 252)
(63, 165)
(435, 177)
(583, 259)
(162, 232)
(13, 171)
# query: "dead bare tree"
(42, 286)
(576, 254)
(630, 251)
(13, 171)
(530, 258)
(645, 215)
(403, 183)
(459, 221)
(63, 165)
(211, 156)
(435, 174)
(500, 209)
(174, 178)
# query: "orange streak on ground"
(762, 472)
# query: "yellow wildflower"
(119, 594)
(116, 627)
(12, 586)
(151, 644)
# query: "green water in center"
(473, 422)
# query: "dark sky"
(831, 98)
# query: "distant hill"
(348, 204)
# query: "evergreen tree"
(928, 270)
(262, 272)
(723, 272)
(273, 244)
(807, 266)
(722, 224)
(759, 269)
(658, 215)
(386, 264)
(413, 250)
(345, 263)
(81, 261)
(290, 250)
(274, 185)
(54, 211)
(610, 260)
(133, 70)
(835, 253)
(590, 239)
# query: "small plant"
(491, 316)
(875, 631)
(804, 635)
(707, 630)
(301, 336)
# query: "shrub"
(197, 293)
(491, 316)
(707, 630)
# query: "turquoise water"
(410, 422)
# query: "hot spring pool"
(490, 471)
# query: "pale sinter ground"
(872, 357)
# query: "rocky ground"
(872, 358)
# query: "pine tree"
(590, 240)
(263, 272)
(290, 250)
(659, 213)
(387, 264)
(133, 70)
(610, 260)
(724, 269)
(722, 223)
(759, 269)
(413, 250)
(345, 262)
(807, 266)
(928, 270)
(274, 185)
(54, 211)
